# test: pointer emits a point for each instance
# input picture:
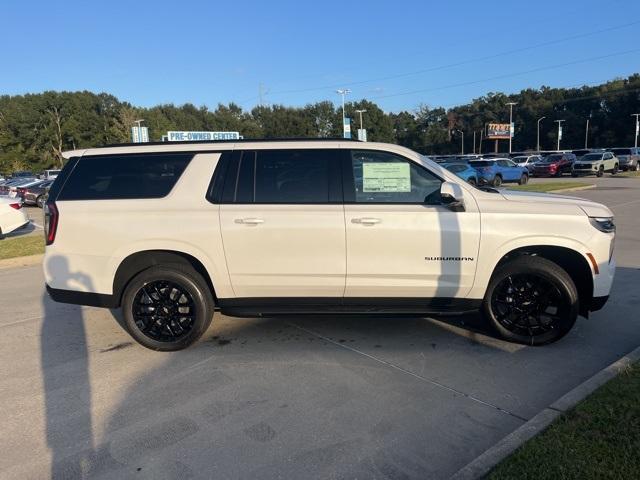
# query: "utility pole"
(637, 126)
(559, 122)
(480, 144)
(474, 141)
(511, 129)
(343, 92)
(538, 142)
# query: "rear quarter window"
(113, 177)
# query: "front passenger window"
(381, 177)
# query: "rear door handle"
(366, 220)
(249, 221)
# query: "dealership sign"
(201, 136)
(498, 130)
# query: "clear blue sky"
(205, 52)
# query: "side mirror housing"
(451, 195)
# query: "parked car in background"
(581, 152)
(12, 182)
(22, 174)
(629, 158)
(14, 191)
(463, 170)
(554, 165)
(596, 164)
(527, 161)
(496, 171)
(12, 215)
(36, 194)
(50, 174)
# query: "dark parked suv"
(554, 165)
(629, 158)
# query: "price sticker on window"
(386, 177)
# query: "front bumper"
(597, 303)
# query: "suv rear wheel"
(531, 300)
(167, 307)
(524, 179)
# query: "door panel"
(284, 250)
(401, 242)
(411, 251)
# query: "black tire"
(637, 169)
(615, 169)
(183, 319)
(472, 181)
(40, 201)
(497, 181)
(539, 287)
(600, 171)
(524, 179)
(558, 172)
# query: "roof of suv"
(219, 145)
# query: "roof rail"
(239, 140)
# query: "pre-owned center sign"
(175, 136)
(498, 130)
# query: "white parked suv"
(172, 232)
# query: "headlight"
(604, 224)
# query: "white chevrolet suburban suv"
(173, 232)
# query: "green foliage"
(36, 128)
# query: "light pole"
(343, 92)
(637, 126)
(586, 135)
(461, 142)
(538, 142)
(559, 122)
(511, 104)
(360, 112)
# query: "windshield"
(621, 151)
(592, 157)
(552, 158)
(482, 163)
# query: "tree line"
(36, 128)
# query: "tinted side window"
(112, 177)
(381, 177)
(292, 176)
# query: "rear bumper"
(82, 298)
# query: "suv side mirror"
(451, 196)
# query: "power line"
(507, 75)
(461, 63)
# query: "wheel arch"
(570, 260)
(139, 261)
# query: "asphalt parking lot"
(298, 397)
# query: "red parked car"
(554, 165)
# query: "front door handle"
(249, 221)
(366, 220)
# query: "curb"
(483, 464)
(573, 189)
(21, 261)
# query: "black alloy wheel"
(168, 307)
(164, 311)
(531, 300)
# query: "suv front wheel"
(167, 308)
(531, 300)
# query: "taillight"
(17, 206)
(51, 217)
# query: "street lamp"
(461, 142)
(538, 142)
(511, 104)
(343, 92)
(361, 112)
(559, 122)
(637, 127)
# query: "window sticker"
(386, 177)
